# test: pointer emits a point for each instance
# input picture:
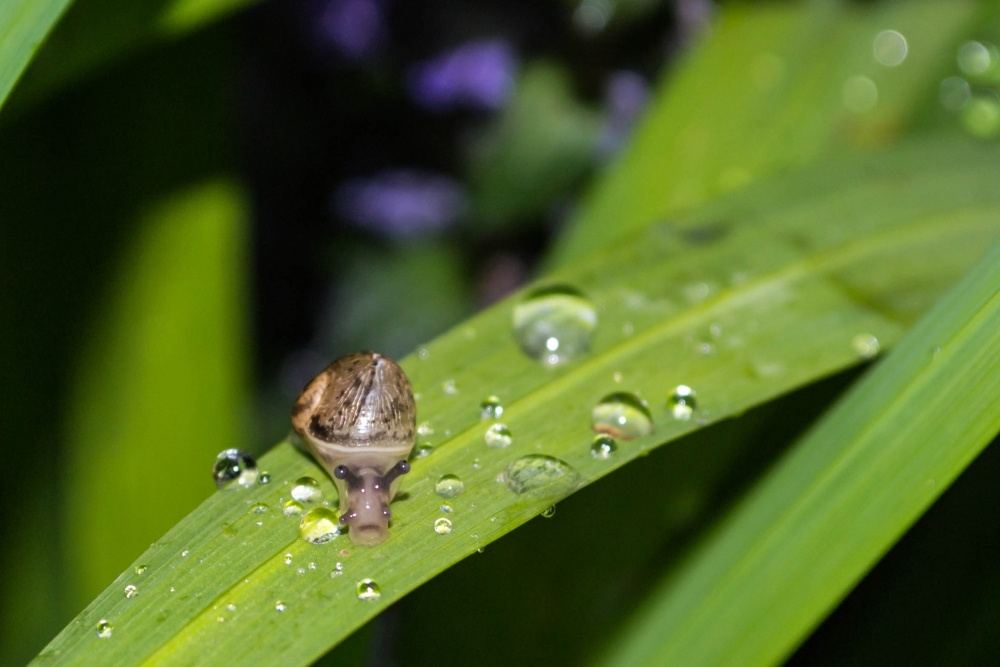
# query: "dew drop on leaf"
(554, 324)
(622, 415)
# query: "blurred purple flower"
(625, 96)
(478, 75)
(401, 203)
(356, 28)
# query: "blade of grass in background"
(762, 93)
(23, 26)
(743, 303)
(840, 498)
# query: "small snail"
(357, 418)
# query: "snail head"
(368, 496)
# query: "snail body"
(358, 419)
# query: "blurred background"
(193, 222)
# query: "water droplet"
(229, 532)
(312, 566)
(490, 408)
(554, 324)
(981, 115)
(498, 436)
(306, 490)
(859, 94)
(259, 508)
(338, 570)
(234, 467)
(423, 451)
(866, 345)
(139, 569)
(549, 512)
(424, 353)
(537, 473)
(954, 92)
(603, 447)
(231, 607)
(131, 591)
(682, 402)
(442, 526)
(319, 526)
(288, 559)
(448, 387)
(889, 48)
(293, 508)
(618, 377)
(279, 606)
(104, 629)
(368, 590)
(446, 508)
(425, 429)
(301, 570)
(622, 415)
(976, 59)
(221, 619)
(185, 553)
(449, 486)
(480, 550)
(265, 478)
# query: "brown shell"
(360, 400)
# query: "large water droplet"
(490, 408)
(866, 345)
(554, 324)
(234, 467)
(498, 436)
(306, 490)
(682, 402)
(319, 526)
(442, 526)
(538, 473)
(131, 591)
(449, 486)
(293, 508)
(603, 447)
(622, 415)
(104, 629)
(368, 590)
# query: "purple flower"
(478, 75)
(356, 28)
(401, 203)
(625, 97)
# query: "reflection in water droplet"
(976, 58)
(954, 92)
(139, 569)
(293, 508)
(104, 629)
(279, 606)
(498, 436)
(682, 402)
(446, 508)
(442, 526)
(554, 324)
(265, 478)
(306, 490)
(449, 486)
(622, 415)
(549, 512)
(319, 526)
(490, 408)
(537, 473)
(859, 94)
(368, 590)
(603, 447)
(259, 508)
(889, 48)
(981, 115)
(131, 591)
(866, 345)
(234, 467)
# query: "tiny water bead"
(368, 590)
(139, 569)
(279, 606)
(446, 508)
(104, 629)
(259, 508)
(306, 490)
(490, 408)
(131, 591)
(288, 559)
(229, 532)
(338, 570)
(319, 526)
(554, 324)
(549, 512)
(865, 345)
(682, 402)
(603, 447)
(234, 467)
(449, 486)
(498, 436)
(539, 473)
(293, 508)
(442, 526)
(264, 478)
(425, 429)
(422, 452)
(622, 415)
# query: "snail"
(357, 418)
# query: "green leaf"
(23, 26)
(840, 498)
(763, 93)
(743, 301)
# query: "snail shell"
(358, 419)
